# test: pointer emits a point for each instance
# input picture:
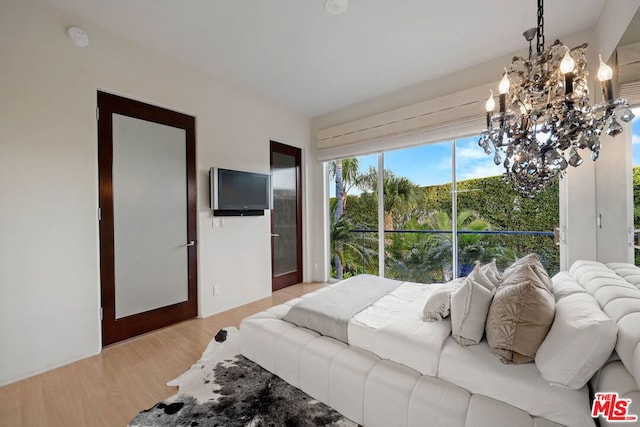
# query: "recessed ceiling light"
(336, 7)
(78, 36)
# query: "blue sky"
(636, 137)
(431, 164)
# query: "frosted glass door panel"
(150, 218)
(285, 217)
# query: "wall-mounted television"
(238, 193)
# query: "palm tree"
(351, 254)
(427, 257)
(471, 247)
(346, 174)
(337, 215)
(351, 178)
(398, 192)
(335, 170)
(419, 257)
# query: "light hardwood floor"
(109, 389)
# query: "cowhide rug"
(227, 390)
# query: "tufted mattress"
(397, 370)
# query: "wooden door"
(286, 215)
(147, 198)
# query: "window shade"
(629, 63)
(631, 91)
(452, 116)
(629, 72)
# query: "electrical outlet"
(216, 290)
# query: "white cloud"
(635, 138)
(473, 162)
(483, 170)
(470, 153)
(443, 164)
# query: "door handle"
(275, 235)
(191, 243)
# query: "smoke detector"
(78, 36)
(336, 7)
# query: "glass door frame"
(114, 329)
(293, 277)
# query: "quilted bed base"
(368, 390)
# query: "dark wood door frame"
(113, 329)
(288, 279)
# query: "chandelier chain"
(540, 37)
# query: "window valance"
(452, 116)
(629, 72)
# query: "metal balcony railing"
(550, 234)
(492, 232)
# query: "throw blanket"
(328, 312)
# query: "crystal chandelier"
(545, 116)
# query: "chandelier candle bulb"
(566, 68)
(568, 64)
(605, 74)
(504, 84)
(503, 88)
(490, 106)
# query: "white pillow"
(469, 307)
(536, 266)
(492, 273)
(579, 342)
(438, 304)
(565, 285)
(480, 276)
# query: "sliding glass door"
(417, 213)
(443, 206)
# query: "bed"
(391, 368)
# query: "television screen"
(237, 190)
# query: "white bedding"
(392, 328)
(479, 371)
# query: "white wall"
(614, 195)
(49, 274)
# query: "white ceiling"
(295, 54)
